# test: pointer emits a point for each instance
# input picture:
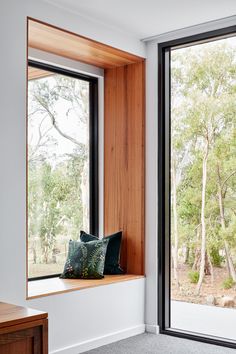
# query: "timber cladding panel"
(124, 160)
(70, 45)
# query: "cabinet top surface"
(12, 314)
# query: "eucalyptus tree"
(58, 185)
(208, 93)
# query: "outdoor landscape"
(58, 169)
(203, 173)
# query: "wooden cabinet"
(22, 330)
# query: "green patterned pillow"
(85, 260)
(112, 261)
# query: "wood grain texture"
(19, 346)
(28, 338)
(35, 73)
(51, 286)
(44, 336)
(124, 131)
(55, 40)
(22, 330)
(115, 160)
(13, 315)
(136, 167)
(27, 341)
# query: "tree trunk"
(54, 256)
(230, 264)
(186, 255)
(197, 253)
(208, 267)
(175, 226)
(33, 248)
(45, 256)
(211, 270)
(45, 249)
(85, 195)
(203, 222)
(34, 255)
(197, 263)
(229, 261)
(196, 259)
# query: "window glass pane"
(58, 168)
(203, 186)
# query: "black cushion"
(112, 258)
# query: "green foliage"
(228, 283)
(204, 115)
(229, 233)
(58, 109)
(193, 276)
(191, 256)
(58, 206)
(216, 258)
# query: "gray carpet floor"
(159, 344)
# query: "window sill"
(52, 286)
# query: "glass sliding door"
(197, 186)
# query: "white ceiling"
(144, 18)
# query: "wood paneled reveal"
(51, 286)
(73, 46)
(34, 73)
(124, 133)
(124, 160)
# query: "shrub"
(193, 276)
(228, 283)
(216, 258)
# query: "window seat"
(51, 286)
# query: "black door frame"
(164, 52)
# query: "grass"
(193, 276)
(228, 283)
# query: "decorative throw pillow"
(112, 260)
(85, 260)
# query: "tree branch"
(54, 123)
(227, 178)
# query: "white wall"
(78, 316)
(43, 11)
(82, 320)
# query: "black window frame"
(164, 162)
(93, 148)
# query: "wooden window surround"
(124, 145)
(52, 286)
